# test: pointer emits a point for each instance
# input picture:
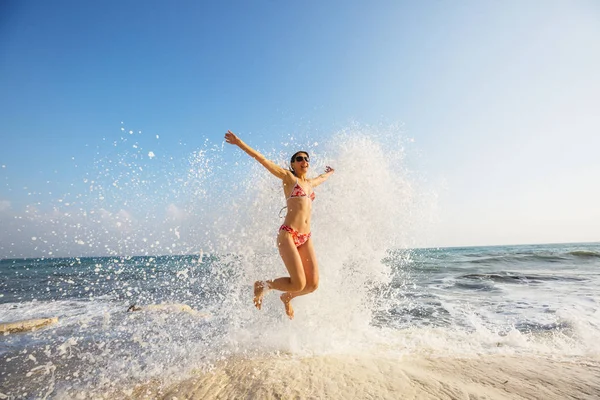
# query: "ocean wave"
(519, 258)
(507, 277)
(480, 285)
(584, 254)
(535, 257)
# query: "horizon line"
(202, 253)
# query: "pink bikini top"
(297, 191)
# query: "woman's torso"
(299, 197)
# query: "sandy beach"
(364, 377)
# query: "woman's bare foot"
(259, 292)
(287, 298)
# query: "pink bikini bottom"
(299, 238)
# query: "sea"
(527, 304)
(183, 246)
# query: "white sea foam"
(368, 206)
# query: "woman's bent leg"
(311, 271)
(291, 258)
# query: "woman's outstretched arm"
(273, 168)
(323, 177)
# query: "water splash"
(221, 208)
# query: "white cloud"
(175, 213)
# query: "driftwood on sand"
(26, 325)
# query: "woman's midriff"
(298, 214)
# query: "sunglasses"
(300, 158)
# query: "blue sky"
(501, 98)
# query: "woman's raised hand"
(231, 138)
(328, 169)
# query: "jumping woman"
(293, 240)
